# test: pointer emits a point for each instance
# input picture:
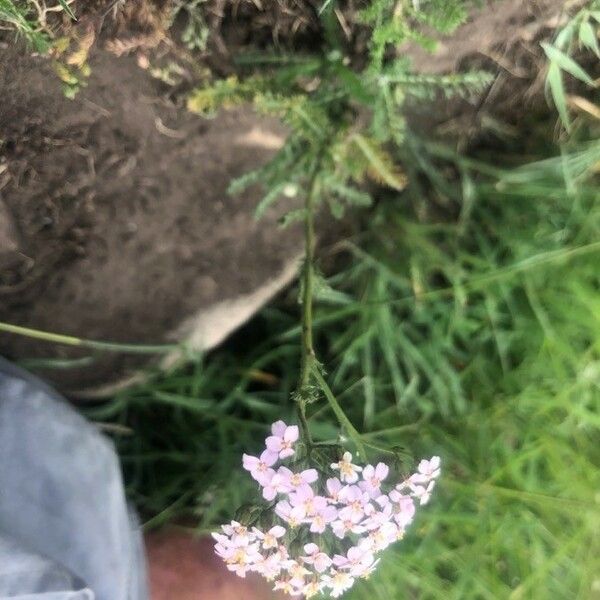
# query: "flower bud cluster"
(326, 532)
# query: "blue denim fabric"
(66, 532)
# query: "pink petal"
(334, 486)
(310, 475)
(304, 492)
(298, 513)
(269, 493)
(423, 467)
(282, 509)
(264, 477)
(322, 562)
(250, 462)
(284, 474)
(320, 503)
(311, 548)
(382, 471)
(291, 433)
(278, 531)
(339, 560)
(339, 529)
(286, 453)
(316, 527)
(329, 514)
(355, 553)
(278, 428)
(269, 457)
(273, 443)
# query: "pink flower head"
(357, 503)
(342, 527)
(268, 566)
(427, 470)
(374, 476)
(357, 560)
(334, 487)
(239, 555)
(354, 508)
(291, 515)
(312, 588)
(288, 481)
(319, 560)
(322, 517)
(348, 471)
(285, 585)
(297, 572)
(423, 493)
(305, 497)
(260, 467)
(404, 508)
(283, 439)
(338, 582)
(269, 539)
(380, 538)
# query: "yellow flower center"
(346, 468)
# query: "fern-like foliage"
(346, 120)
(195, 32)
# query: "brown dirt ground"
(502, 37)
(117, 223)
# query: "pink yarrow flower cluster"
(353, 516)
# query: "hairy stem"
(308, 353)
(309, 366)
(308, 272)
(339, 412)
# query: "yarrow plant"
(324, 517)
(322, 528)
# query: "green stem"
(339, 413)
(309, 365)
(308, 352)
(69, 340)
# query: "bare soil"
(117, 223)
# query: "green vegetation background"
(476, 338)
